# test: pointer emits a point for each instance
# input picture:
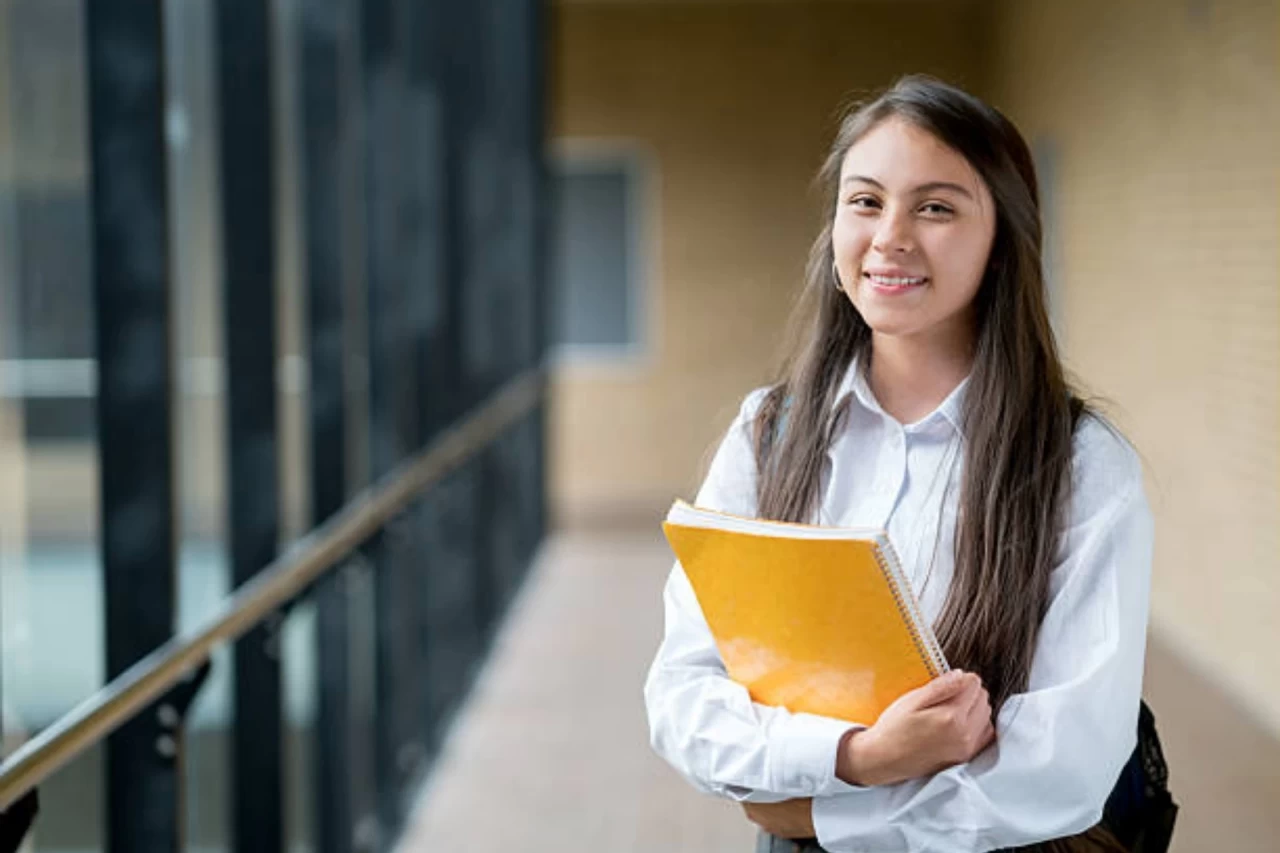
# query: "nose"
(894, 235)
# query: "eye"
(937, 209)
(864, 202)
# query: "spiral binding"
(926, 644)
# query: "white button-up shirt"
(1059, 746)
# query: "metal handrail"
(280, 582)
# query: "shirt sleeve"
(701, 722)
(1059, 746)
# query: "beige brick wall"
(734, 103)
(1167, 119)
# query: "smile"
(894, 280)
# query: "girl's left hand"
(788, 819)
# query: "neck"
(911, 377)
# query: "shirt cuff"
(841, 823)
(804, 747)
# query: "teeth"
(894, 281)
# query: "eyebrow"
(931, 186)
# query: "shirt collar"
(855, 384)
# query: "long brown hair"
(1019, 414)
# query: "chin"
(885, 323)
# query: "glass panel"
(51, 631)
(298, 668)
(195, 251)
(298, 642)
(72, 808)
(207, 761)
(359, 581)
(291, 322)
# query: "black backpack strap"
(1140, 811)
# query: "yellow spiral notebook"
(816, 619)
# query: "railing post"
(135, 387)
(327, 141)
(394, 424)
(542, 54)
(249, 320)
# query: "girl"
(925, 396)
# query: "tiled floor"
(552, 753)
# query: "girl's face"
(913, 229)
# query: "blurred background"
(258, 257)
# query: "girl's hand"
(788, 819)
(945, 723)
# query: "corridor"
(551, 752)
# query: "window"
(598, 257)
